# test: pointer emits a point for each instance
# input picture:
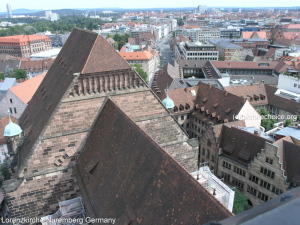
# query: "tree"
(180, 21)
(231, 35)
(239, 202)
(138, 68)
(267, 122)
(1, 76)
(287, 122)
(19, 74)
(4, 173)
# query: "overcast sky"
(63, 4)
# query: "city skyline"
(34, 4)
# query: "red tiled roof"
(23, 39)
(145, 55)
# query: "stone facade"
(48, 179)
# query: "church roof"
(84, 52)
(137, 181)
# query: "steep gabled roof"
(84, 52)
(290, 160)
(241, 146)
(124, 174)
(214, 100)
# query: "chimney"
(226, 93)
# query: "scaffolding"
(214, 185)
(71, 212)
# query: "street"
(165, 52)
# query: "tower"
(9, 12)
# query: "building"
(197, 108)
(24, 45)
(99, 102)
(51, 16)
(144, 58)
(289, 83)
(230, 32)
(35, 68)
(250, 68)
(9, 12)
(201, 9)
(205, 34)
(276, 211)
(196, 51)
(17, 97)
(259, 168)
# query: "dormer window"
(181, 108)
(175, 109)
(187, 106)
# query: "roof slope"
(104, 57)
(84, 52)
(215, 105)
(240, 145)
(124, 174)
(291, 158)
(26, 90)
(280, 102)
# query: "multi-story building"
(230, 32)
(145, 58)
(196, 51)
(205, 34)
(255, 165)
(17, 97)
(24, 45)
(197, 108)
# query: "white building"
(196, 51)
(201, 9)
(215, 186)
(51, 16)
(289, 83)
(205, 34)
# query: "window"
(251, 190)
(225, 176)
(208, 154)
(239, 171)
(295, 85)
(212, 158)
(10, 110)
(15, 110)
(182, 117)
(262, 196)
(227, 165)
(203, 152)
(276, 190)
(11, 101)
(268, 160)
(265, 184)
(188, 116)
(208, 143)
(253, 178)
(267, 172)
(237, 183)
